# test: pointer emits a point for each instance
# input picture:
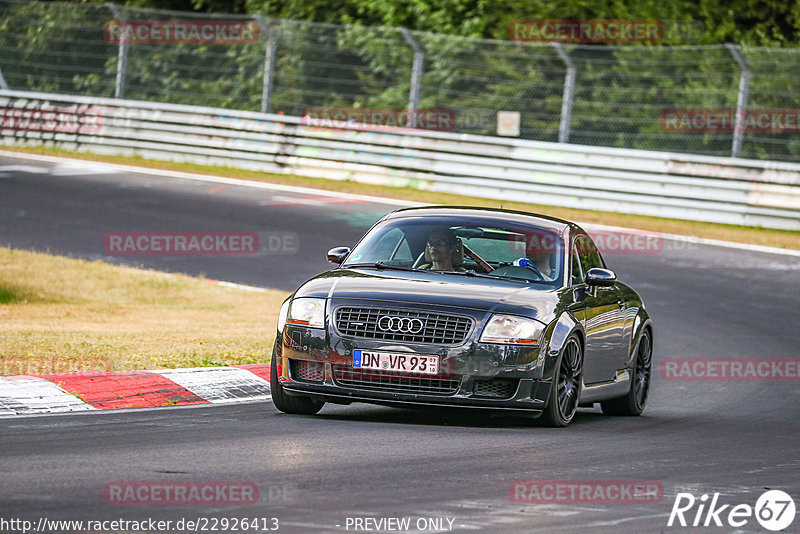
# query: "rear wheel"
(634, 402)
(288, 403)
(567, 384)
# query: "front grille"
(498, 388)
(436, 327)
(308, 371)
(376, 381)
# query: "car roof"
(490, 214)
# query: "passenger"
(541, 261)
(443, 252)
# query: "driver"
(441, 248)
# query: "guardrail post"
(569, 91)
(122, 54)
(741, 100)
(269, 62)
(416, 77)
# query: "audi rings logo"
(403, 325)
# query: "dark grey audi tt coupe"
(466, 307)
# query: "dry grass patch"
(64, 315)
(725, 232)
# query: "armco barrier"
(723, 190)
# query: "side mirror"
(600, 277)
(338, 254)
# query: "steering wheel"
(420, 260)
(528, 264)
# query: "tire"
(634, 402)
(288, 403)
(567, 384)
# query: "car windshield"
(465, 246)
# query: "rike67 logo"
(774, 510)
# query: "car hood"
(435, 289)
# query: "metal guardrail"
(722, 190)
(677, 95)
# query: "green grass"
(62, 315)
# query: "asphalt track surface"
(313, 473)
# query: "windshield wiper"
(488, 275)
(472, 273)
(381, 265)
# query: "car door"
(601, 312)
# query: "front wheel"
(288, 403)
(633, 403)
(567, 383)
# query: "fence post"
(3, 84)
(122, 54)
(569, 91)
(416, 77)
(741, 100)
(269, 62)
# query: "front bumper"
(530, 395)
(471, 371)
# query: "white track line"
(239, 286)
(216, 179)
(380, 200)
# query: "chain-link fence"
(629, 96)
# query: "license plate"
(396, 362)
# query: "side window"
(402, 252)
(390, 247)
(577, 275)
(588, 255)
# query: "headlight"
(307, 312)
(512, 329)
(282, 315)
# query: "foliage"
(469, 66)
